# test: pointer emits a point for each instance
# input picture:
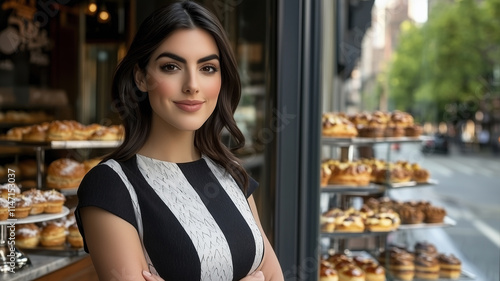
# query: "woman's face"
(183, 80)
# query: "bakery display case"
(59, 176)
(355, 195)
(8, 250)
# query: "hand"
(150, 277)
(256, 276)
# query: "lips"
(189, 105)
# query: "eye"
(209, 69)
(169, 67)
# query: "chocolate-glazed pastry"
(425, 248)
(327, 273)
(449, 266)
(352, 273)
(402, 265)
(374, 272)
(426, 267)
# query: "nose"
(191, 85)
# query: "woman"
(172, 201)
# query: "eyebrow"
(183, 60)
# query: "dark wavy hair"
(133, 105)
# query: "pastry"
(105, 134)
(449, 266)
(82, 132)
(392, 174)
(343, 264)
(27, 235)
(74, 237)
(402, 266)
(421, 175)
(413, 130)
(36, 133)
(335, 125)
(325, 174)
(4, 209)
(9, 190)
(374, 272)
(350, 174)
(60, 130)
(434, 214)
(327, 223)
(366, 211)
(65, 173)
(22, 206)
(28, 168)
(394, 131)
(338, 258)
(38, 200)
(426, 267)
(329, 219)
(410, 215)
(120, 131)
(383, 221)
(351, 223)
(55, 201)
(425, 248)
(351, 273)
(401, 119)
(361, 261)
(360, 119)
(15, 134)
(53, 234)
(373, 130)
(327, 273)
(372, 203)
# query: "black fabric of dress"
(195, 224)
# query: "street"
(469, 189)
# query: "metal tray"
(358, 141)
(64, 250)
(446, 223)
(464, 276)
(369, 189)
(412, 184)
(365, 233)
(69, 144)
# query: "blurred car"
(437, 144)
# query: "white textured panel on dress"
(234, 192)
(137, 209)
(176, 192)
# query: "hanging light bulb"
(92, 8)
(104, 15)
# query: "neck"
(166, 143)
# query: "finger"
(258, 274)
(150, 277)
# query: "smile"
(189, 105)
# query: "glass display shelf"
(68, 144)
(10, 256)
(357, 141)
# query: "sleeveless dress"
(193, 219)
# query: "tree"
(449, 59)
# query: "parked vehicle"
(437, 144)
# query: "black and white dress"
(194, 220)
